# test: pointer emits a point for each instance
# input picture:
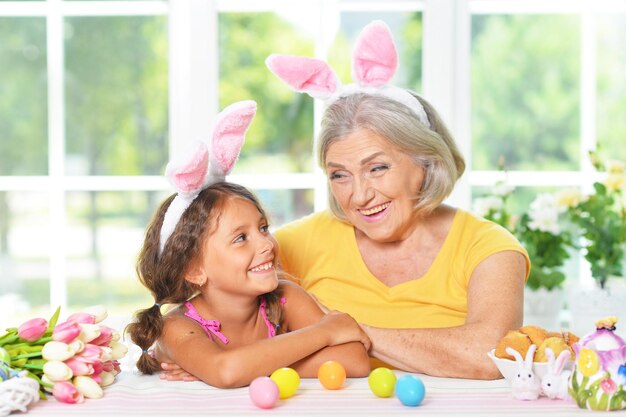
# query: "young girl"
(209, 250)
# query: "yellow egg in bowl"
(509, 368)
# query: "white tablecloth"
(139, 395)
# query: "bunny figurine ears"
(202, 168)
(374, 63)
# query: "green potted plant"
(600, 220)
(540, 232)
(546, 241)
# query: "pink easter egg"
(263, 392)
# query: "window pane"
(280, 138)
(116, 95)
(611, 99)
(24, 256)
(283, 206)
(525, 92)
(407, 34)
(105, 234)
(23, 96)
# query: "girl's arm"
(185, 343)
(301, 310)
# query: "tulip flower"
(33, 329)
(58, 351)
(116, 367)
(88, 332)
(66, 332)
(82, 318)
(88, 387)
(106, 378)
(72, 360)
(46, 383)
(99, 312)
(107, 353)
(79, 367)
(106, 335)
(77, 345)
(57, 371)
(119, 350)
(107, 366)
(65, 392)
(91, 353)
(98, 367)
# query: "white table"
(139, 395)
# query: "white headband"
(374, 63)
(198, 170)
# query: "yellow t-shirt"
(322, 253)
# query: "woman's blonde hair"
(433, 148)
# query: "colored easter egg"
(263, 392)
(287, 380)
(410, 390)
(332, 375)
(382, 382)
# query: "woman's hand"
(173, 372)
(342, 328)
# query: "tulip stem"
(42, 341)
(9, 339)
(26, 355)
(31, 366)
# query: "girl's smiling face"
(239, 252)
(375, 184)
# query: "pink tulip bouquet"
(73, 360)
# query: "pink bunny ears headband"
(374, 63)
(200, 169)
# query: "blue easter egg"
(410, 390)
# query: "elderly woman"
(434, 286)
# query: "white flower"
(569, 197)
(544, 201)
(77, 345)
(501, 189)
(484, 205)
(47, 383)
(99, 312)
(88, 332)
(106, 378)
(57, 371)
(118, 350)
(56, 351)
(615, 167)
(88, 387)
(107, 353)
(545, 220)
(615, 182)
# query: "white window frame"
(193, 86)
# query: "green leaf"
(53, 320)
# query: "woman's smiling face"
(375, 184)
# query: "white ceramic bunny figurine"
(554, 383)
(525, 385)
